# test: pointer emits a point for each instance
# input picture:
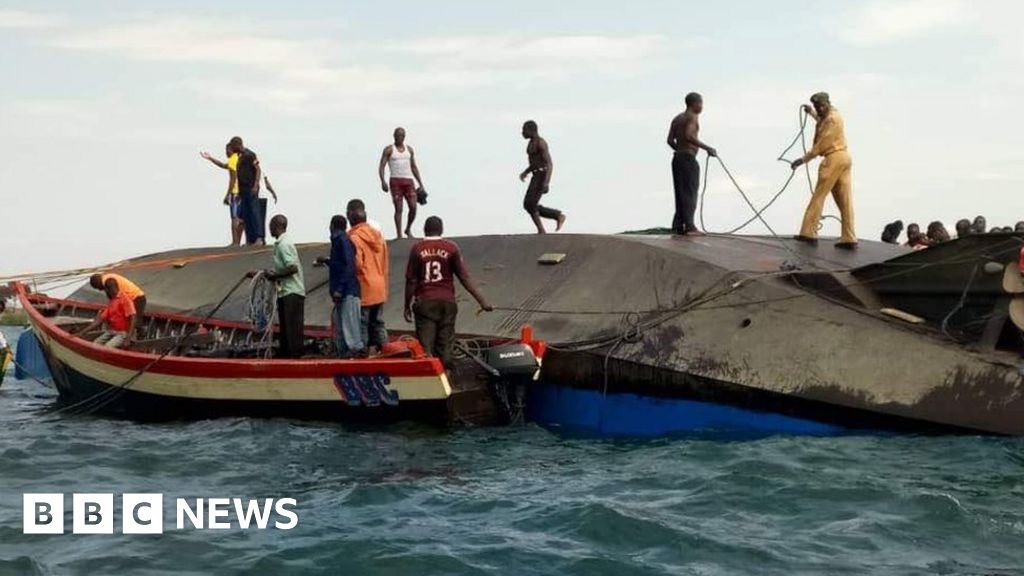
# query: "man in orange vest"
(120, 318)
(372, 272)
(124, 286)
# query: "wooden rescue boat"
(182, 367)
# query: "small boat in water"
(187, 367)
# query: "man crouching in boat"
(291, 290)
(124, 285)
(434, 262)
(120, 317)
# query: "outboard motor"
(515, 360)
(514, 365)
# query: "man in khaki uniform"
(833, 174)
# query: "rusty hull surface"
(765, 343)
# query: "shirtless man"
(540, 167)
(682, 138)
(401, 162)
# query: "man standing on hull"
(231, 199)
(540, 167)
(834, 173)
(405, 177)
(682, 138)
(248, 173)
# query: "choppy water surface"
(413, 500)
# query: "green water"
(413, 500)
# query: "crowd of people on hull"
(358, 286)
(936, 232)
(358, 261)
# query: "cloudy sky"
(105, 106)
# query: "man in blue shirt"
(344, 288)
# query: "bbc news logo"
(144, 513)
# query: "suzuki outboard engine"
(515, 360)
(515, 365)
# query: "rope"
(55, 275)
(781, 158)
(959, 306)
(108, 395)
(800, 137)
(31, 376)
(263, 309)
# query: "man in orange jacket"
(372, 272)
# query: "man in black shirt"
(248, 192)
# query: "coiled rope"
(800, 137)
(262, 310)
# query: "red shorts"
(402, 188)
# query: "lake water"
(416, 500)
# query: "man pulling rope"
(834, 173)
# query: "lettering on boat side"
(144, 513)
(370, 390)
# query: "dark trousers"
(140, 307)
(373, 331)
(261, 206)
(291, 312)
(140, 312)
(531, 203)
(435, 327)
(685, 181)
(249, 210)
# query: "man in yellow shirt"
(231, 198)
(834, 173)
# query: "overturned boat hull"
(768, 333)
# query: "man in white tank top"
(405, 175)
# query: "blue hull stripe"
(582, 411)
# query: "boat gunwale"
(215, 367)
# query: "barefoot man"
(401, 162)
(540, 167)
(682, 138)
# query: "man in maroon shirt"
(430, 279)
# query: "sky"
(105, 106)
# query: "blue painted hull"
(589, 412)
(31, 362)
